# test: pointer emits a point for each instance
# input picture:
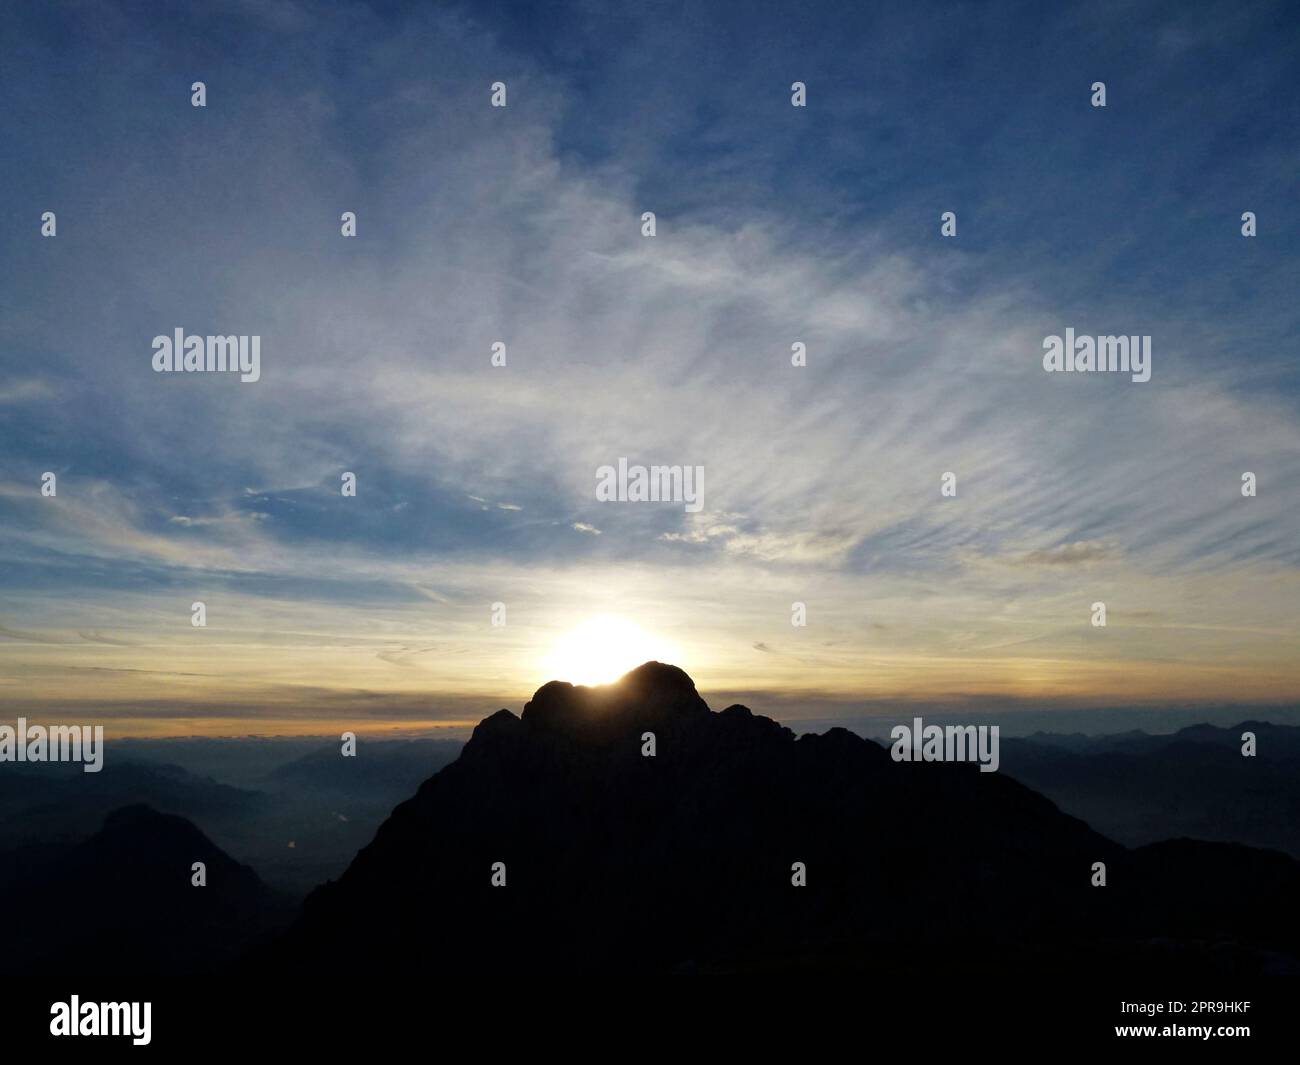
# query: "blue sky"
(775, 224)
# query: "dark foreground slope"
(682, 861)
(121, 903)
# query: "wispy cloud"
(823, 481)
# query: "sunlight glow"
(602, 649)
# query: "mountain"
(330, 806)
(299, 813)
(389, 769)
(58, 802)
(1273, 741)
(1139, 788)
(615, 861)
(122, 903)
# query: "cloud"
(404, 656)
(26, 390)
(99, 637)
(234, 518)
(29, 637)
(822, 481)
(1068, 554)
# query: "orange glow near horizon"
(279, 667)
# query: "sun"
(602, 649)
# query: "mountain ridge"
(613, 860)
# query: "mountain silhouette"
(53, 802)
(288, 790)
(122, 902)
(615, 861)
(1138, 788)
(388, 766)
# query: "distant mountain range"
(58, 803)
(299, 814)
(1138, 788)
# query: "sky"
(476, 484)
